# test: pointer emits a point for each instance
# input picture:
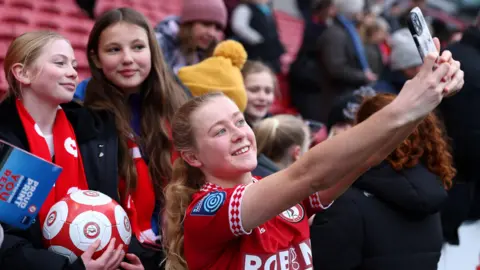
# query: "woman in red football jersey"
(219, 217)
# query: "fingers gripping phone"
(421, 33)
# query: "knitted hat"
(344, 109)
(349, 7)
(221, 72)
(404, 51)
(204, 10)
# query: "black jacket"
(460, 114)
(98, 145)
(265, 167)
(387, 220)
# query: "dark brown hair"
(427, 144)
(161, 97)
(187, 44)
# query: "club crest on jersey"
(209, 204)
(294, 214)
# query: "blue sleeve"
(81, 90)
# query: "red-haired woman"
(389, 218)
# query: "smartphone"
(420, 32)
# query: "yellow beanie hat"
(221, 72)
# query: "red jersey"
(214, 238)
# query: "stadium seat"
(78, 41)
(3, 50)
(49, 9)
(21, 4)
(45, 21)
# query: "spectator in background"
(281, 140)
(389, 218)
(261, 85)
(190, 38)
(40, 68)
(133, 89)
(375, 34)
(344, 109)
(221, 72)
(342, 56)
(403, 17)
(253, 24)
(461, 119)
(405, 62)
(304, 74)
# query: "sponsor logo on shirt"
(209, 204)
(295, 214)
(297, 257)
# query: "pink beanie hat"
(204, 10)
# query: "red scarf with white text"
(67, 155)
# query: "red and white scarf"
(140, 203)
(67, 155)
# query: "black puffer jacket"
(387, 220)
(98, 144)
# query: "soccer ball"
(82, 217)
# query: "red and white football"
(82, 217)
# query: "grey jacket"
(340, 68)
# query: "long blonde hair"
(25, 49)
(278, 133)
(186, 180)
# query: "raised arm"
(345, 155)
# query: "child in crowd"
(375, 36)
(261, 85)
(41, 73)
(253, 24)
(281, 140)
(188, 39)
(134, 90)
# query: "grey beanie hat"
(404, 52)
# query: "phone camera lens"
(417, 24)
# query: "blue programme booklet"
(25, 182)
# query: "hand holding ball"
(74, 223)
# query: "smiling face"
(204, 33)
(124, 55)
(225, 144)
(260, 91)
(52, 77)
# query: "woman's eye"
(112, 50)
(241, 122)
(220, 132)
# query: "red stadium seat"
(15, 16)
(21, 4)
(3, 50)
(79, 42)
(49, 8)
(47, 22)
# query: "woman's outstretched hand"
(439, 76)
